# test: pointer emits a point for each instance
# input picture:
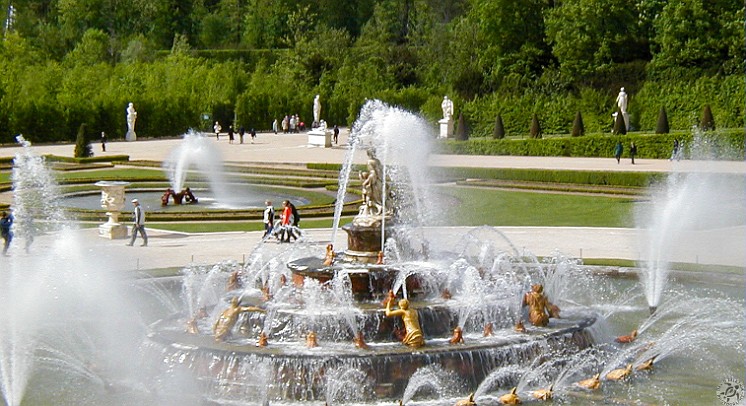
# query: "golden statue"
(390, 298)
(519, 327)
(539, 307)
(619, 374)
(329, 258)
(590, 383)
(510, 398)
(191, 324)
(311, 340)
(413, 337)
(446, 294)
(543, 394)
(360, 341)
(224, 324)
(647, 365)
(628, 338)
(467, 402)
(262, 340)
(379, 258)
(234, 282)
(458, 336)
(487, 330)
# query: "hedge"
(719, 144)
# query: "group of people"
(289, 124)
(619, 150)
(284, 227)
(217, 128)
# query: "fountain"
(309, 325)
(200, 152)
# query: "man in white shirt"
(269, 219)
(138, 224)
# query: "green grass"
(478, 206)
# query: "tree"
(708, 122)
(589, 35)
(620, 127)
(662, 126)
(578, 129)
(499, 132)
(535, 130)
(82, 146)
(91, 50)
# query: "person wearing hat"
(138, 223)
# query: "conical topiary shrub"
(662, 126)
(708, 122)
(535, 131)
(620, 127)
(82, 146)
(578, 128)
(461, 133)
(499, 132)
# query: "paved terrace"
(725, 246)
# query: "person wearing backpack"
(269, 219)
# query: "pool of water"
(151, 200)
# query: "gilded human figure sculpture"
(413, 333)
(372, 187)
(539, 307)
(227, 320)
(329, 258)
(458, 336)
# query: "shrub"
(499, 132)
(708, 122)
(620, 127)
(662, 126)
(535, 131)
(461, 133)
(578, 128)
(82, 146)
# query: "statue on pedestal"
(372, 187)
(621, 102)
(131, 118)
(447, 106)
(316, 111)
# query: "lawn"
(483, 206)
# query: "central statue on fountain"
(372, 208)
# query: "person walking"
(138, 224)
(269, 219)
(241, 133)
(252, 132)
(103, 141)
(6, 222)
(230, 134)
(632, 151)
(618, 151)
(336, 134)
(217, 129)
(286, 223)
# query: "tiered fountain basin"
(292, 371)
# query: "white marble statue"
(131, 117)
(621, 100)
(316, 110)
(372, 187)
(447, 107)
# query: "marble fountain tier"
(324, 317)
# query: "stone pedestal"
(112, 199)
(130, 136)
(446, 128)
(320, 138)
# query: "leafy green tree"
(462, 133)
(588, 35)
(699, 33)
(92, 49)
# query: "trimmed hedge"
(87, 160)
(721, 144)
(626, 179)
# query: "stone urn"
(112, 199)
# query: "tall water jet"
(400, 141)
(197, 152)
(684, 209)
